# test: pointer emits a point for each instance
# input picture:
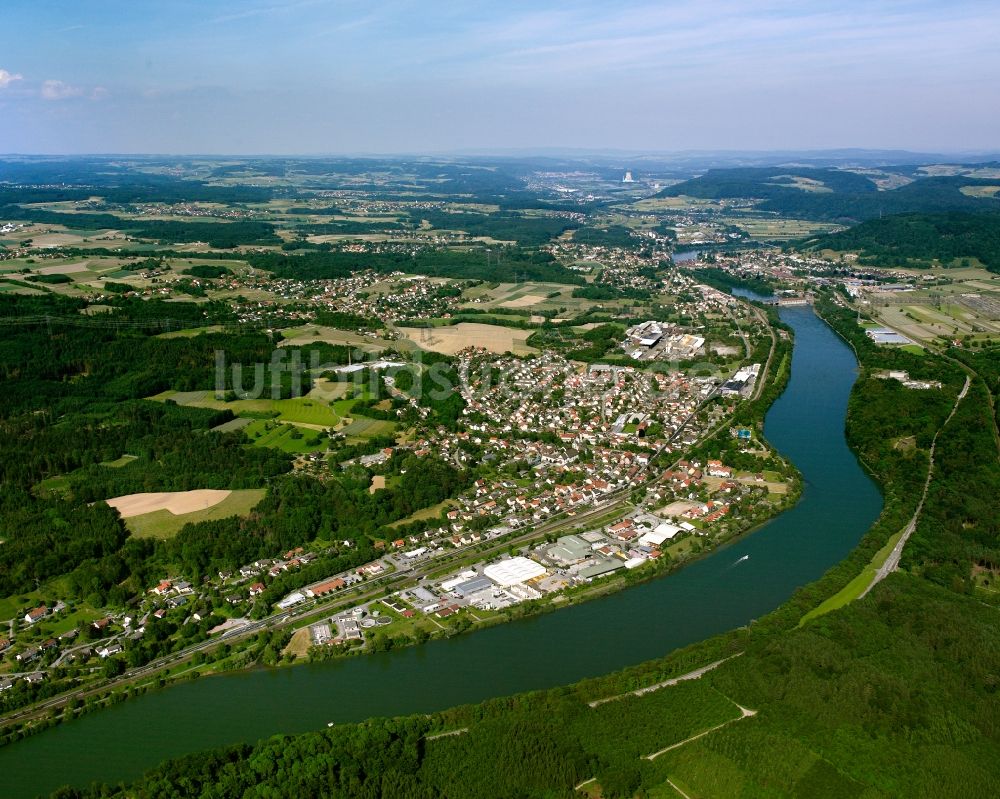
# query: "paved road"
(892, 562)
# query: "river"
(686, 256)
(719, 592)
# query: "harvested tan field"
(677, 508)
(56, 240)
(524, 302)
(299, 644)
(176, 502)
(64, 269)
(449, 340)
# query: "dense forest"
(727, 281)
(208, 271)
(529, 231)
(611, 236)
(605, 291)
(222, 235)
(833, 194)
(506, 264)
(986, 361)
(342, 227)
(917, 240)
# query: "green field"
(57, 484)
(857, 586)
(305, 411)
(431, 512)
(124, 460)
(300, 410)
(190, 332)
(286, 437)
(164, 524)
(361, 427)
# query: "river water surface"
(717, 593)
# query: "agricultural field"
(286, 437)
(327, 390)
(124, 460)
(164, 523)
(450, 340)
(190, 332)
(520, 296)
(18, 288)
(311, 334)
(928, 323)
(774, 228)
(291, 425)
(308, 412)
(965, 307)
(362, 428)
(234, 424)
(681, 203)
(174, 502)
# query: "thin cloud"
(57, 90)
(271, 8)
(7, 78)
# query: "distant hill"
(834, 194)
(917, 239)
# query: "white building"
(663, 532)
(514, 571)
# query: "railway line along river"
(726, 589)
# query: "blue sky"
(331, 76)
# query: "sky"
(393, 76)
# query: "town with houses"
(583, 468)
(560, 444)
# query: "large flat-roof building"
(663, 532)
(514, 570)
(599, 569)
(882, 335)
(473, 586)
(569, 549)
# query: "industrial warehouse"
(655, 341)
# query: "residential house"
(36, 614)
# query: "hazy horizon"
(323, 77)
(567, 153)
